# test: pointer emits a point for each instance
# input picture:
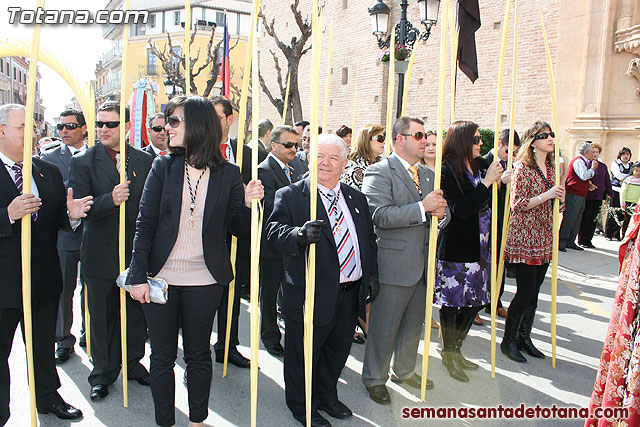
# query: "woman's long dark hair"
(458, 147)
(202, 131)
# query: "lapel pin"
(134, 173)
(349, 196)
(357, 210)
(42, 176)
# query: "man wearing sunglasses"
(157, 136)
(72, 128)
(275, 173)
(579, 173)
(96, 173)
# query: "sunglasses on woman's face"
(477, 140)
(379, 138)
(544, 135)
(157, 128)
(68, 126)
(174, 121)
(110, 125)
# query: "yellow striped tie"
(413, 170)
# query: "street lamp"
(171, 89)
(406, 33)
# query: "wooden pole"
(121, 234)
(556, 202)
(328, 80)
(286, 100)
(390, 89)
(187, 47)
(433, 231)
(355, 104)
(26, 220)
(310, 272)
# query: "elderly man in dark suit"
(72, 128)
(95, 173)
(157, 136)
(275, 173)
(49, 213)
(229, 148)
(347, 271)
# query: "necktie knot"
(17, 167)
(163, 153)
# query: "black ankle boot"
(464, 320)
(508, 346)
(524, 335)
(449, 356)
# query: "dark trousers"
(588, 223)
(331, 346)
(271, 272)
(529, 279)
(574, 207)
(69, 266)
(43, 317)
(504, 277)
(612, 230)
(104, 308)
(196, 307)
(222, 320)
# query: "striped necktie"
(287, 172)
(413, 170)
(341, 235)
(17, 169)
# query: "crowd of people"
(185, 197)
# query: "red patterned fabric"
(530, 235)
(618, 381)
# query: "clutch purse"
(158, 288)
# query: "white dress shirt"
(357, 273)
(581, 169)
(406, 165)
(230, 157)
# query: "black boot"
(464, 320)
(449, 358)
(524, 335)
(508, 346)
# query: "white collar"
(75, 150)
(403, 161)
(282, 165)
(336, 189)
(155, 149)
(7, 161)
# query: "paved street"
(586, 287)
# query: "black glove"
(310, 232)
(374, 288)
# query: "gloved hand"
(374, 288)
(310, 232)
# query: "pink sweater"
(185, 265)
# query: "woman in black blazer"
(463, 245)
(190, 199)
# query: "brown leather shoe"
(478, 320)
(502, 312)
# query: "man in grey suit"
(72, 128)
(401, 201)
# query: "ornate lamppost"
(406, 33)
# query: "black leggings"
(529, 279)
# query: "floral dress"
(466, 284)
(354, 172)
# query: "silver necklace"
(192, 222)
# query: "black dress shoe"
(358, 339)
(414, 381)
(317, 420)
(562, 249)
(143, 380)
(379, 394)
(574, 247)
(99, 392)
(336, 409)
(63, 354)
(275, 350)
(588, 245)
(235, 358)
(82, 342)
(63, 410)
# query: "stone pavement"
(586, 287)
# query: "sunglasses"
(157, 128)
(174, 121)
(544, 135)
(379, 138)
(418, 135)
(110, 125)
(477, 140)
(287, 144)
(68, 126)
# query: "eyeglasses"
(174, 121)
(418, 135)
(477, 140)
(379, 138)
(544, 135)
(157, 128)
(110, 125)
(287, 144)
(21, 127)
(68, 126)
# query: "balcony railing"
(111, 86)
(112, 55)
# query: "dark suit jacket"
(149, 150)
(273, 179)
(61, 157)
(94, 173)
(459, 241)
(262, 152)
(159, 219)
(300, 165)
(246, 159)
(46, 279)
(290, 211)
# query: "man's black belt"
(347, 286)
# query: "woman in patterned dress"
(369, 149)
(463, 245)
(530, 238)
